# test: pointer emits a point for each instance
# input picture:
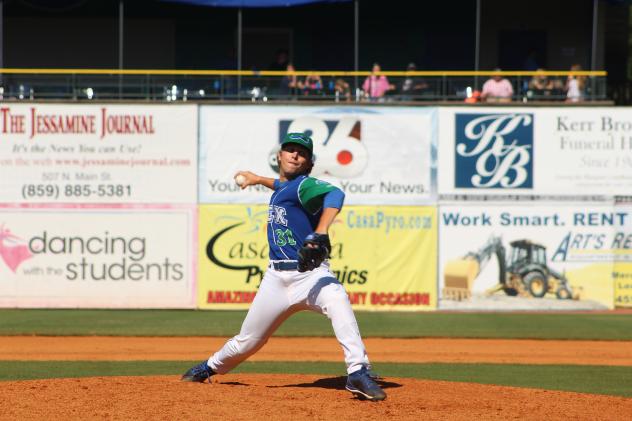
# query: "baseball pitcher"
(298, 277)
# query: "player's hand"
(315, 250)
(245, 179)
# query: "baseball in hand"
(240, 179)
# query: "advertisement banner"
(376, 155)
(384, 256)
(532, 257)
(622, 273)
(535, 151)
(97, 257)
(71, 153)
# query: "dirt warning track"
(82, 348)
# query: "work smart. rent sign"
(536, 256)
(535, 151)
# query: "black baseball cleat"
(363, 386)
(198, 373)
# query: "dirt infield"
(296, 397)
(302, 397)
(320, 349)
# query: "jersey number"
(284, 237)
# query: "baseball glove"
(314, 251)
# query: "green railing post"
(73, 86)
(147, 89)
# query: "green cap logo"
(300, 139)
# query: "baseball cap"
(299, 139)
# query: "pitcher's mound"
(273, 397)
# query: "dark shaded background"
(436, 35)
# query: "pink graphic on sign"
(12, 249)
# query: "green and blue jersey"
(294, 211)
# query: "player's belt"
(291, 265)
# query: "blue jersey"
(295, 209)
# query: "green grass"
(587, 379)
(226, 323)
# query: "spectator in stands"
(376, 85)
(541, 86)
(497, 89)
(412, 86)
(472, 96)
(575, 85)
(342, 90)
(313, 85)
(290, 85)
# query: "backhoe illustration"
(525, 273)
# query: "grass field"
(600, 326)
(586, 379)
(611, 380)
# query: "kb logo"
(338, 150)
(494, 151)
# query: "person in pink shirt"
(497, 89)
(375, 85)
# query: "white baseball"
(240, 179)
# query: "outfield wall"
(98, 205)
(376, 155)
(584, 243)
(71, 153)
(114, 206)
(561, 151)
(385, 256)
(98, 256)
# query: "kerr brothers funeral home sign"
(549, 151)
(98, 154)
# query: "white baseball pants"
(283, 293)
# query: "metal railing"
(336, 86)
